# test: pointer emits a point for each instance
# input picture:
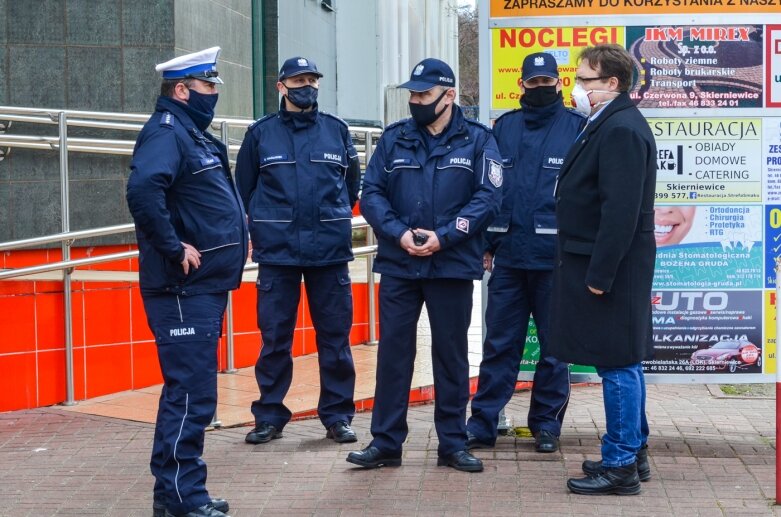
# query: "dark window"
(328, 5)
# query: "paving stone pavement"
(710, 456)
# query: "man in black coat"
(606, 249)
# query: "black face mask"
(202, 108)
(540, 96)
(425, 114)
(302, 97)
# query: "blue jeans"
(623, 390)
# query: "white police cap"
(198, 65)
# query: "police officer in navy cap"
(431, 188)
(192, 239)
(298, 174)
(521, 243)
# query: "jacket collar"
(178, 109)
(538, 116)
(298, 120)
(620, 103)
(411, 131)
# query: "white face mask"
(581, 101)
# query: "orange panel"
(49, 287)
(17, 324)
(18, 390)
(139, 327)
(246, 348)
(11, 287)
(245, 314)
(310, 342)
(146, 367)
(304, 318)
(107, 316)
(108, 369)
(22, 258)
(49, 318)
(96, 251)
(103, 286)
(359, 334)
(298, 342)
(360, 304)
(51, 378)
(222, 352)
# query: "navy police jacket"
(533, 142)
(454, 189)
(298, 175)
(181, 190)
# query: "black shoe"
(473, 443)
(202, 511)
(545, 441)
(616, 480)
(593, 468)
(371, 458)
(263, 432)
(158, 506)
(461, 460)
(341, 432)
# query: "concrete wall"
(99, 55)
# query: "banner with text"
(519, 8)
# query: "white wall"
(308, 30)
(366, 47)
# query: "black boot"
(611, 480)
(593, 468)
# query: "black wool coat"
(604, 210)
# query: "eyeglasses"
(589, 79)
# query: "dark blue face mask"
(302, 97)
(202, 108)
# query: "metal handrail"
(69, 236)
(129, 122)
(117, 121)
(5, 274)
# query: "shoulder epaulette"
(516, 110)
(331, 115)
(477, 123)
(261, 119)
(397, 123)
(167, 119)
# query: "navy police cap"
(539, 64)
(430, 73)
(296, 66)
(198, 65)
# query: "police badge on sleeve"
(462, 224)
(495, 173)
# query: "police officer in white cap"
(192, 239)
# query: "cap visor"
(302, 72)
(215, 80)
(417, 86)
(539, 74)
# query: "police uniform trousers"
(514, 295)
(186, 330)
(330, 299)
(449, 306)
